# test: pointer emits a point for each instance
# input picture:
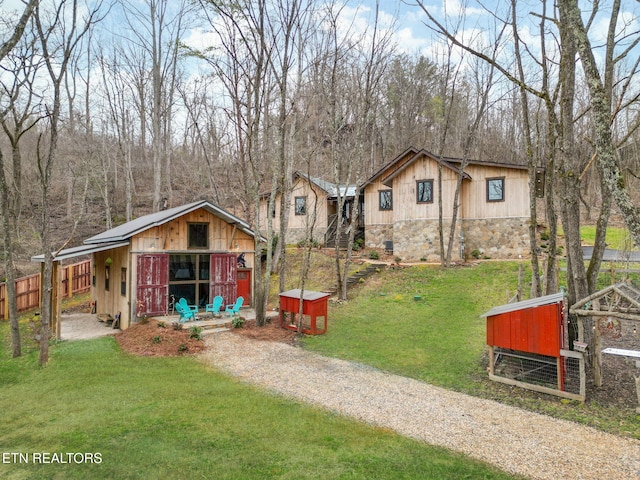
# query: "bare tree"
(22, 67)
(59, 32)
(156, 29)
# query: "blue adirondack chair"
(214, 307)
(187, 312)
(234, 308)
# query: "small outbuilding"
(528, 347)
(195, 251)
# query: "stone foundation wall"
(376, 235)
(497, 237)
(296, 235)
(418, 240)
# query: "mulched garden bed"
(151, 339)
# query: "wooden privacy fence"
(75, 279)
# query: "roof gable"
(330, 188)
(393, 168)
(127, 230)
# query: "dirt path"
(517, 441)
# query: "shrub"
(476, 253)
(195, 332)
(237, 322)
(177, 325)
(183, 348)
(373, 255)
(308, 243)
(157, 339)
(162, 324)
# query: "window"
(107, 273)
(386, 200)
(189, 278)
(301, 205)
(495, 189)
(198, 235)
(424, 191)
(123, 281)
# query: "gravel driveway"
(517, 441)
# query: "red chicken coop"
(314, 311)
(528, 347)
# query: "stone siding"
(376, 235)
(419, 240)
(296, 235)
(497, 237)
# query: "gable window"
(301, 205)
(495, 189)
(424, 191)
(198, 235)
(386, 200)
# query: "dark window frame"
(107, 275)
(123, 281)
(387, 205)
(193, 236)
(300, 208)
(490, 181)
(427, 182)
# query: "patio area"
(83, 326)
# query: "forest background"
(111, 110)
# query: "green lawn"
(440, 338)
(175, 418)
(616, 238)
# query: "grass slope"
(440, 338)
(174, 418)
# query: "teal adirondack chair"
(187, 312)
(234, 308)
(214, 307)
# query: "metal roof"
(129, 229)
(80, 251)
(331, 188)
(534, 302)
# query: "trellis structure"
(608, 307)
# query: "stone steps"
(358, 276)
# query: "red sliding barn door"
(152, 284)
(223, 277)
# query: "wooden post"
(613, 273)
(597, 349)
(520, 275)
(56, 300)
(69, 281)
(6, 301)
(491, 361)
(559, 374)
(637, 379)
